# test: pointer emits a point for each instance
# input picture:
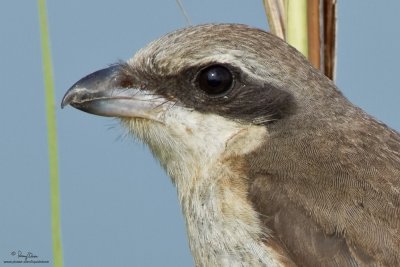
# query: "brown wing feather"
(329, 190)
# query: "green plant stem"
(296, 25)
(52, 136)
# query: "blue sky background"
(118, 206)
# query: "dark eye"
(215, 79)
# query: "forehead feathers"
(235, 44)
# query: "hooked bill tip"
(93, 83)
(66, 99)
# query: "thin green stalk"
(296, 25)
(52, 136)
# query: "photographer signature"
(26, 256)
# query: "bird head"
(193, 90)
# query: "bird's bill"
(101, 93)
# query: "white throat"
(201, 153)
